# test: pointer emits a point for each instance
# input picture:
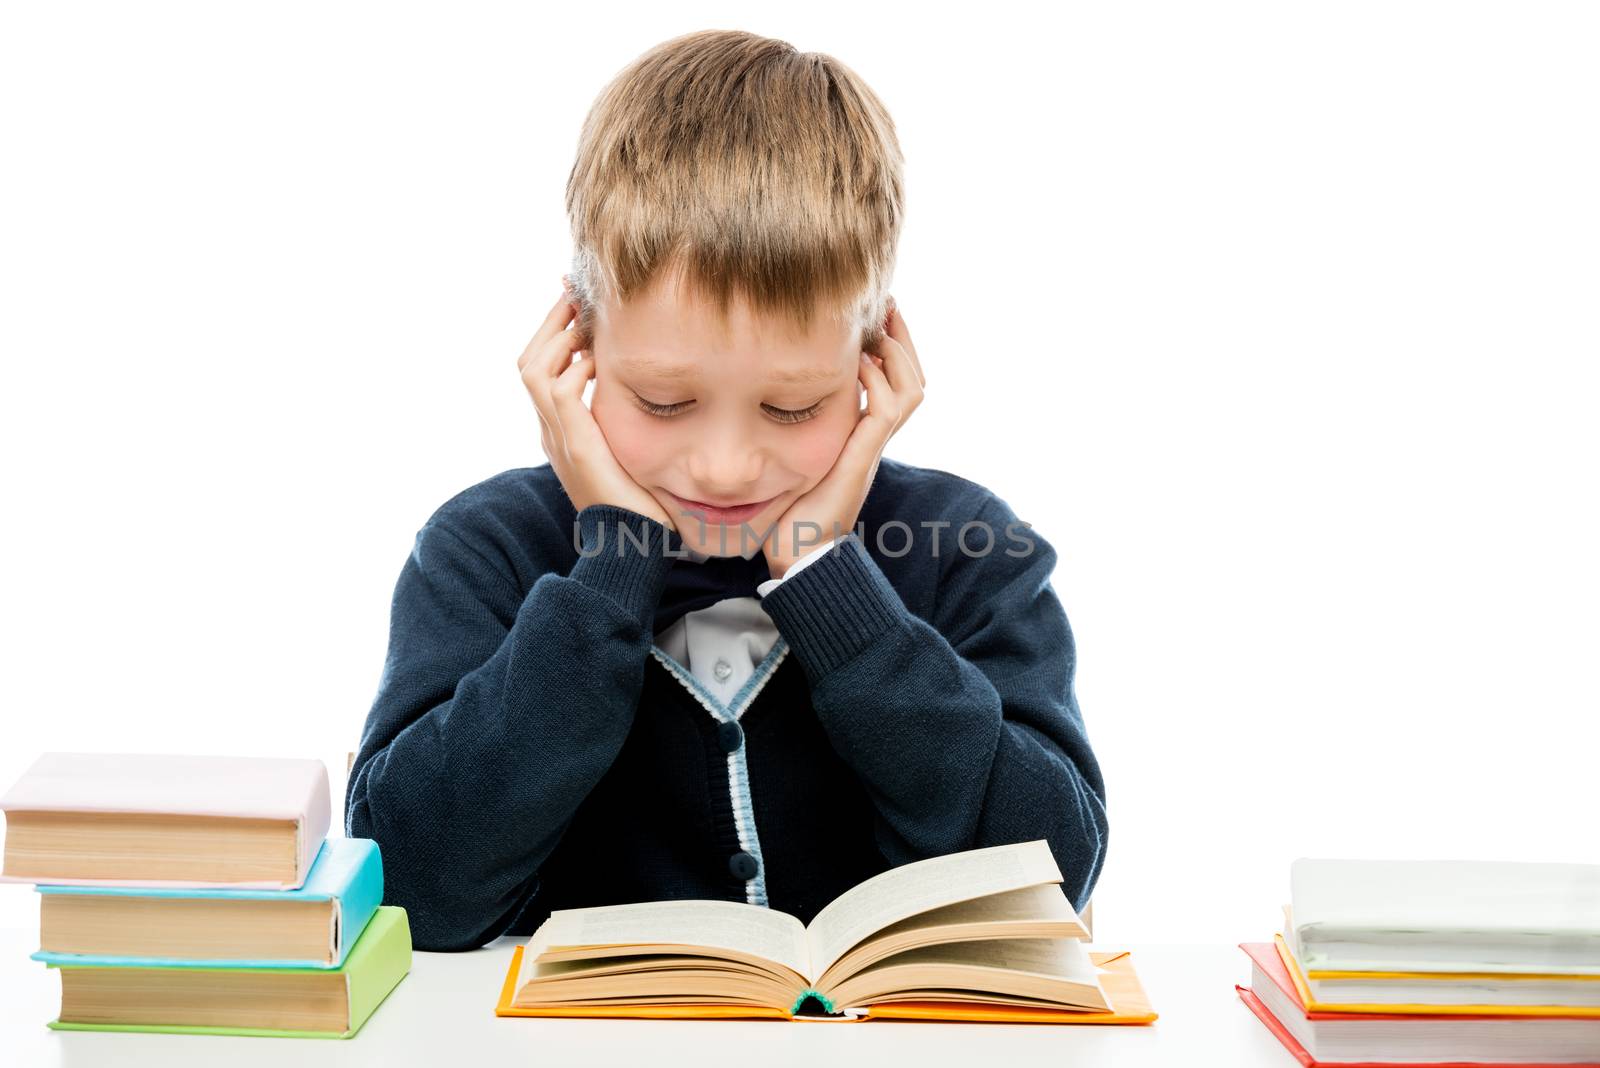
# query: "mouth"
(722, 515)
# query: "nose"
(726, 466)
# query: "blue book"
(313, 926)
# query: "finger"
(883, 407)
(882, 396)
(547, 439)
(539, 373)
(895, 363)
(558, 353)
(559, 316)
(896, 329)
(897, 367)
(570, 382)
(872, 431)
(566, 395)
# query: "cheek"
(811, 450)
(634, 436)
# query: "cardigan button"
(730, 736)
(743, 866)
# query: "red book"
(1265, 956)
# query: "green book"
(268, 1002)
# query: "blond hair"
(742, 168)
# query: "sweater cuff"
(764, 588)
(625, 556)
(834, 608)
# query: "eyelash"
(783, 415)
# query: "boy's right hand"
(578, 451)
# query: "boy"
(719, 647)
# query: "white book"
(1445, 916)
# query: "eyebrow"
(649, 365)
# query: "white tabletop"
(443, 1014)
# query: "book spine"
(359, 900)
(380, 959)
(812, 992)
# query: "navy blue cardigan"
(531, 749)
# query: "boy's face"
(745, 413)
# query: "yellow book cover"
(1304, 990)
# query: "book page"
(1054, 969)
(1044, 903)
(1058, 958)
(766, 933)
(902, 892)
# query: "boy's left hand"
(894, 381)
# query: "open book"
(986, 927)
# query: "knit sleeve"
(764, 588)
(496, 715)
(966, 732)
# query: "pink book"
(247, 788)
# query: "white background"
(1279, 321)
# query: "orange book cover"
(1121, 984)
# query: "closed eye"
(782, 415)
(665, 411)
(787, 415)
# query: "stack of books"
(1434, 962)
(982, 935)
(201, 895)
